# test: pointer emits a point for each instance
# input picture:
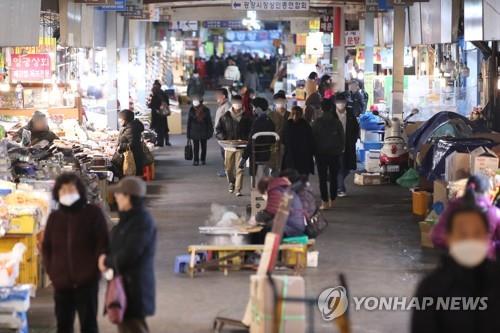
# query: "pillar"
(398, 62)
(111, 55)
(369, 40)
(338, 52)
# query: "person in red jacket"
(75, 236)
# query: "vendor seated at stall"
(274, 189)
(38, 126)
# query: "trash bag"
(368, 121)
(409, 179)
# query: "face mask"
(196, 103)
(220, 101)
(196, 76)
(469, 253)
(69, 199)
(340, 106)
(236, 106)
(279, 105)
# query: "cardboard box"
(293, 314)
(441, 193)
(372, 161)
(425, 234)
(457, 166)
(364, 179)
(484, 160)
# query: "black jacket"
(351, 137)
(230, 129)
(453, 280)
(74, 239)
(131, 136)
(299, 147)
(131, 255)
(262, 153)
(197, 130)
(356, 103)
(328, 133)
(158, 122)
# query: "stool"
(182, 262)
(148, 173)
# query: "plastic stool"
(148, 173)
(182, 262)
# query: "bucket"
(420, 202)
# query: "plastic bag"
(9, 265)
(369, 121)
(409, 179)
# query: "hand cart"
(265, 148)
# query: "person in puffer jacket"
(275, 188)
(481, 187)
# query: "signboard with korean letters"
(271, 5)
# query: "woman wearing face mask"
(75, 236)
(480, 186)
(199, 129)
(464, 274)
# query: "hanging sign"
(185, 25)
(30, 67)
(294, 5)
(326, 21)
(95, 2)
(352, 38)
(231, 24)
(119, 6)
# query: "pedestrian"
(481, 187)
(131, 254)
(350, 124)
(261, 124)
(252, 78)
(324, 84)
(462, 294)
(199, 129)
(280, 114)
(313, 99)
(195, 88)
(299, 143)
(329, 143)
(158, 102)
(357, 103)
(130, 138)
(223, 106)
(232, 72)
(233, 125)
(311, 84)
(75, 236)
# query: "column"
(398, 62)
(338, 52)
(111, 55)
(369, 40)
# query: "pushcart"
(265, 148)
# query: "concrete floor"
(372, 238)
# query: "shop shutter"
(12, 32)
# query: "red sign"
(30, 67)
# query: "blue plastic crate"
(372, 145)
(361, 155)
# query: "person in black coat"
(159, 122)
(131, 253)
(261, 123)
(130, 137)
(299, 144)
(199, 129)
(356, 99)
(350, 124)
(466, 275)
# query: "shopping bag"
(316, 225)
(188, 151)
(148, 156)
(116, 301)
(164, 109)
(129, 167)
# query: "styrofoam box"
(369, 136)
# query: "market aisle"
(372, 238)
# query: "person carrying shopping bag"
(131, 254)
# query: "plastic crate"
(372, 145)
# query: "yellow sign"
(314, 25)
(45, 45)
(369, 80)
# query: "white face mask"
(469, 253)
(340, 106)
(237, 106)
(196, 103)
(69, 199)
(279, 105)
(196, 76)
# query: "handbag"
(148, 156)
(115, 300)
(316, 225)
(188, 151)
(129, 167)
(164, 109)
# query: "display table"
(67, 113)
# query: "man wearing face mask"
(464, 274)
(357, 102)
(196, 87)
(234, 125)
(351, 131)
(75, 236)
